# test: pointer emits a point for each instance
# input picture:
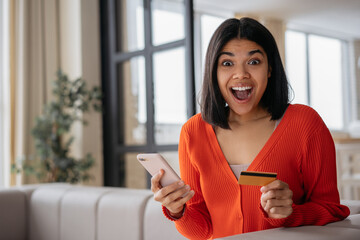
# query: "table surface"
(301, 233)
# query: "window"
(316, 69)
(148, 83)
(205, 26)
(209, 24)
(4, 95)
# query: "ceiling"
(335, 17)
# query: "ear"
(269, 72)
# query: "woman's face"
(242, 74)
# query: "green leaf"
(52, 161)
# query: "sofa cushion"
(121, 214)
(353, 205)
(156, 226)
(44, 212)
(79, 213)
(12, 214)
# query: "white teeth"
(241, 88)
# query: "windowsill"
(346, 140)
(344, 137)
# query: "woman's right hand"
(171, 196)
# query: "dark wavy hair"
(276, 96)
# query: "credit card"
(256, 178)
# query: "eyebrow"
(255, 51)
(252, 52)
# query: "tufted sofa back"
(66, 212)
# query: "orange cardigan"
(300, 150)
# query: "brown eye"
(227, 63)
(254, 62)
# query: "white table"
(348, 229)
(301, 233)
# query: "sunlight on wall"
(4, 95)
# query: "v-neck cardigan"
(300, 150)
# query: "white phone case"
(153, 162)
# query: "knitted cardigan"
(300, 150)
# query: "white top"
(237, 169)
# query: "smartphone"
(153, 162)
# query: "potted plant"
(52, 161)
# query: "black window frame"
(114, 162)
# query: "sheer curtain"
(33, 64)
(43, 37)
(4, 95)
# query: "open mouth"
(242, 93)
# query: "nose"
(241, 72)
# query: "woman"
(247, 123)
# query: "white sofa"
(67, 212)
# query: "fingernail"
(262, 189)
(181, 183)
(187, 187)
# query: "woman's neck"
(252, 117)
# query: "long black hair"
(276, 96)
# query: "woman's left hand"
(276, 199)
